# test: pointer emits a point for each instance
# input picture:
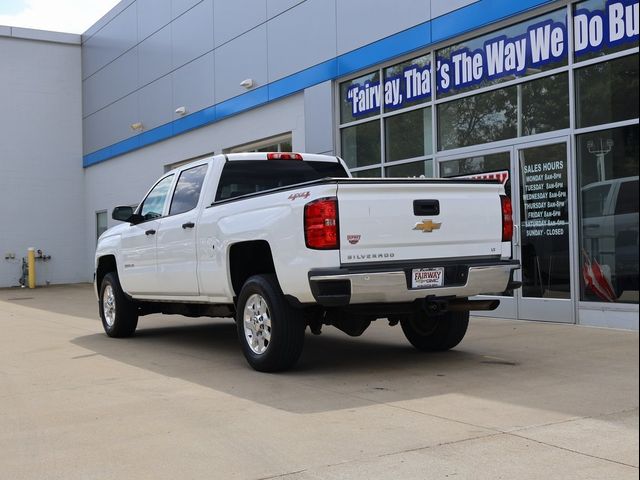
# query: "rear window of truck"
(243, 177)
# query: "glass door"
(543, 237)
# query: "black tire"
(121, 318)
(436, 333)
(283, 325)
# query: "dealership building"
(541, 95)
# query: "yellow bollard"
(31, 264)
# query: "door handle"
(516, 235)
(188, 225)
(150, 232)
(426, 207)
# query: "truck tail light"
(321, 224)
(507, 218)
(283, 156)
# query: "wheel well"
(106, 264)
(247, 259)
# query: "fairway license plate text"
(427, 277)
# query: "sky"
(70, 16)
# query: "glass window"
(360, 97)
(527, 48)
(545, 104)
(361, 144)
(281, 143)
(422, 169)
(407, 84)
(243, 177)
(607, 92)
(408, 135)
(608, 182)
(627, 199)
(187, 191)
(482, 118)
(594, 197)
(153, 205)
(473, 166)
(369, 173)
(601, 27)
(101, 223)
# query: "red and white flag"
(598, 278)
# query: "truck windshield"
(242, 177)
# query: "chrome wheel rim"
(109, 305)
(257, 324)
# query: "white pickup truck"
(282, 241)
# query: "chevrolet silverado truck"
(285, 241)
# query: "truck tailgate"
(396, 219)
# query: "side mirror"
(124, 214)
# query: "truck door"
(176, 240)
(138, 269)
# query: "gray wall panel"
(301, 37)
(118, 118)
(42, 196)
(152, 16)
(438, 7)
(276, 7)
(364, 21)
(193, 85)
(318, 118)
(231, 19)
(178, 7)
(94, 131)
(244, 57)
(154, 56)
(115, 38)
(116, 80)
(154, 102)
(192, 33)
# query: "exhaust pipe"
(464, 305)
(438, 306)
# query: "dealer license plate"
(427, 277)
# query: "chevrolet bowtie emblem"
(427, 226)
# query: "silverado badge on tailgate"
(427, 226)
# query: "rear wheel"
(270, 331)
(119, 314)
(435, 333)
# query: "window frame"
(106, 214)
(177, 182)
(164, 206)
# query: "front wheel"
(437, 333)
(119, 314)
(269, 330)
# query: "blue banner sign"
(412, 84)
(597, 29)
(501, 56)
(544, 42)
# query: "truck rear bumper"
(354, 285)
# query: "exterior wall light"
(137, 127)
(247, 83)
(181, 111)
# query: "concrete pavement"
(514, 400)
